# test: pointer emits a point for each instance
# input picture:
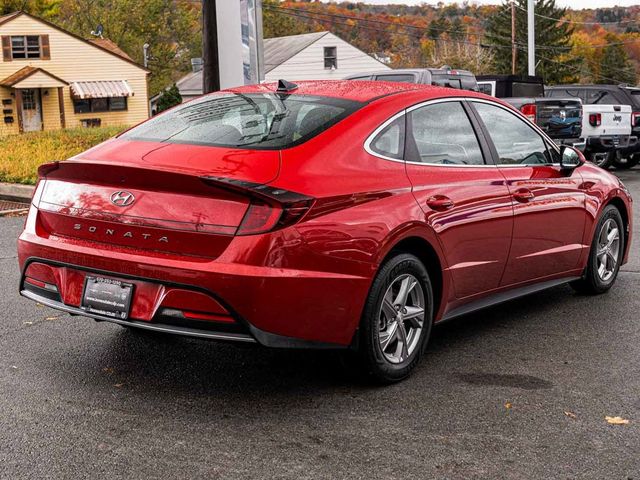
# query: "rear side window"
(254, 121)
(402, 78)
(443, 135)
(390, 141)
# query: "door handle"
(523, 195)
(439, 203)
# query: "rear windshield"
(254, 121)
(635, 95)
(466, 82)
(524, 89)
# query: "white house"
(310, 56)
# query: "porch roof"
(101, 89)
(32, 77)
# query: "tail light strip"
(271, 208)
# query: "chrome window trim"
(516, 113)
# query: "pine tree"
(615, 65)
(169, 98)
(553, 41)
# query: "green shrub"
(21, 155)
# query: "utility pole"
(514, 50)
(211, 64)
(531, 44)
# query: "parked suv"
(608, 95)
(443, 77)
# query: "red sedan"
(342, 214)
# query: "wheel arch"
(620, 204)
(429, 255)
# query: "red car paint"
(303, 284)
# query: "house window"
(331, 58)
(28, 99)
(27, 46)
(115, 104)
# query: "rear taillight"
(529, 110)
(270, 209)
(595, 119)
(635, 119)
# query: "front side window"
(23, 47)
(237, 120)
(516, 142)
(443, 135)
(331, 58)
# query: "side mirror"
(570, 158)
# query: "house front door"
(31, 110)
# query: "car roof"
(356, 90)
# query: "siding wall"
(309, 63)
(74, 60)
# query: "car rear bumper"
(611, 142)
(274, 307)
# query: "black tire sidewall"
(608, 160)
(375, 362)
(610, 212)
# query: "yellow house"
(51, 78)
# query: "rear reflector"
(595, 119)
(175, 313)
(635, 119)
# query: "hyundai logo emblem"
(122, 198)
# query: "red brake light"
(595, 119)
(529, 110)
(635, 118)
(270, 209)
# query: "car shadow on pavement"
(142, 364)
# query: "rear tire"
(626, 163)
(602, 159)
(397, 319)
(607, 250)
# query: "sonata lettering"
(128, 234)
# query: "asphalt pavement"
(519, 391)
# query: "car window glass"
(486, 88)
(516, 142)
(443, 135)
(254, 120)
(600, 97)
(390, 141)
(402, 78)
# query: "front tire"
(607, 250)
(397, 319)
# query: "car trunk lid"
(151, 196)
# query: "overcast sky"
(565, 3)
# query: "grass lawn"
(20, 155)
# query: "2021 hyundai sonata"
(323, 215)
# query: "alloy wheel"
(401, 318)
(608, 249)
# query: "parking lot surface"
(517, 391)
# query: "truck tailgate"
(615, 120)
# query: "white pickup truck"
(606, 129)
